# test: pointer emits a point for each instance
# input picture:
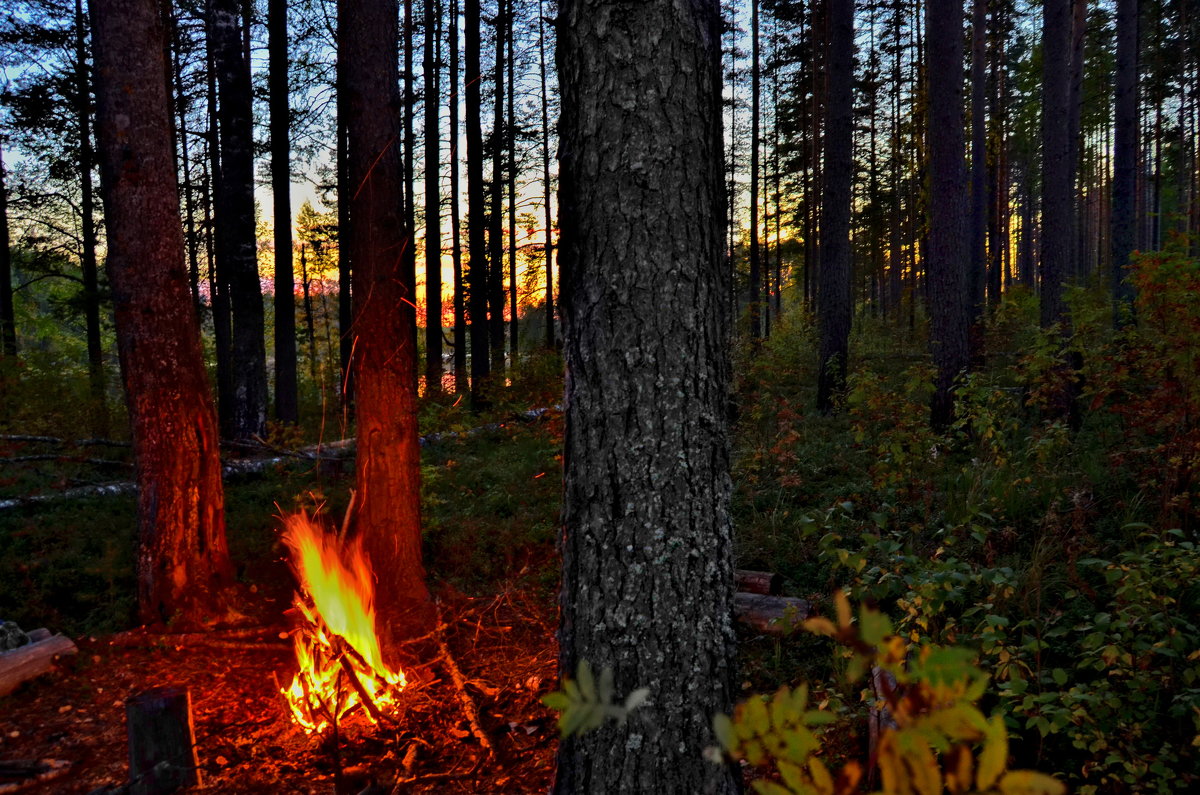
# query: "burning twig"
(343, 654)
(464, 698)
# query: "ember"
(341, 667)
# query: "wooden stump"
(162, 749)
(762, 582)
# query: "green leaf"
(636, 698)
(756, 716)
(557, 700)
(994, 756)
(770, 788)
(587, 682)
(1060, 676)
(606, 686)
(873, 626)
(1030, 782)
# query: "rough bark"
(477, 254)
(948, 246)
(833, 289)
(286, 408)
(1057, 234)
(433, 207)
(646, 460)
(182, 559)
(1124, 153)
(247, 417)
(387, 505)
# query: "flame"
(337, 642)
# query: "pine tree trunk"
(834, 307)
(647, 459)
(461, 381)
(755, 308)
(1124, 154)
(948, 244)
(510, 143)
(182, 560)
(191, 235)
(1057, 236)
(286, 406)
(346, 190)
(235, 221)
(218, 289)
(477, 273)
(433, 208)
(496, 227)
(549, 193)
(387, 508)
(977, 273)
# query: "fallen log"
(771, 615)
(32, 659)
(762, 582)
(17, 774)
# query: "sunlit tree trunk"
(510, 143)
(496, 227)
(182, 561)
(834, 308)
(646, 458)
(387, 504)
(286, 408)
(546, 184)
(461, 382)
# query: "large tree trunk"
(247, 417)
(477, 273)
(755, 307)
(1124, 154)
(833, 293)
(948, 249)
(8, 326)
(388, 517)
(433, 209)
(286, 408)
(647, 459)
(182, 560)
(1057, 235)
(977, 273)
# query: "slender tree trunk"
(87, 202)
(647, 455)
(549, 191)
(496, 228)
(346, 190)
(182, 560)
(433, 207)
(310, 332)
(191, 236)
(948, 244)
(755, 308)
(387, 467)
(510, 139)
(461, 382)
(286, 406)
(235, 223)
(1074, 138)
(977, 271)
(218, 288)
(477, 275)
(1124, 155)
(409, 203)
(834, 299)
(1057, 236)
(8, 325)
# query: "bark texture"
(834, 303)
(182, 559)
(1124, 153)
(286, 399)
(1058, 205)
(948, 246)
(646, 543)
(385, 332)
(433, 207)
(477, 255)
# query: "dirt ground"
(246, 742)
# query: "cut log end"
(162, 749)
(33, 659)
(771, 615)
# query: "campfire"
(341, 668)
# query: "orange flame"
(337, 642)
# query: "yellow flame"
(338, 580)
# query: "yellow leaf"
(1030, 782)
(843, 608)
(820, 776)
(819, 626)
(994, 756)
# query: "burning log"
(771, 615)
(761, 582)
(32, 659)
(460, 684)
(162, 751)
